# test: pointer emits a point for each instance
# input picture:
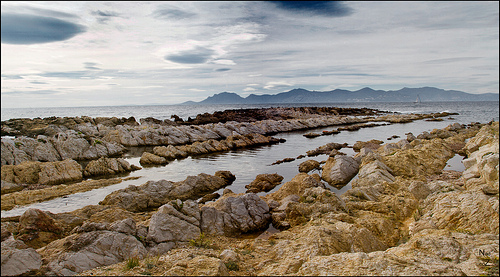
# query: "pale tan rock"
(296, 186)
(308, 165)
(264, 182)
(338, 171)
(48, 173)
(152, 159)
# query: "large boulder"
(79, 252)
(37, 229)
(152, 194)
(308, 166)
(339, 170)
(235, 214)
(19, 259)
(264, 182)
(175, 221)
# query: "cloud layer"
(119, 53)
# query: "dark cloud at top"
(172, 14)
(104, 16)
(328, 8)
(197, 55)
(222, 69)
(33, 29)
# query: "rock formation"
(233, 215)
(264, 182)
(152, 194)
(404, 215)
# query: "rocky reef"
(404, 215)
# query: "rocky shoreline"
(404, 215)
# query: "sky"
(67, 54)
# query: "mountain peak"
(366, 94)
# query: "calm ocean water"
(469, 111)
(248, 163)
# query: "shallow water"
(246, 164)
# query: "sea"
(247, 163)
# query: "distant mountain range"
(426, 94)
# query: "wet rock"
(152, 159)
(155, 194)
(308, 166)
(264, 182)
(325, 149)
(18, 258)
(340, 170)
(233, 215)
(108, 166)
(311, 135)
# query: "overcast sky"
(134, 53)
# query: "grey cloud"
(44, 91)
(223, 69)
(91, 66)
(172, 14)
(33, 29)
(194, 56)
(104, 16)
(38, 83)
(450, 60)
(12, 76)
(327, 8)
